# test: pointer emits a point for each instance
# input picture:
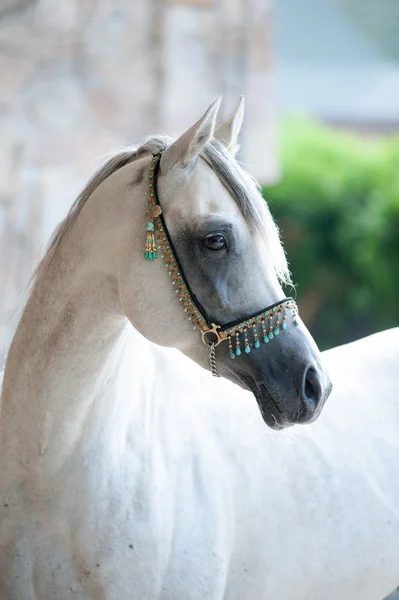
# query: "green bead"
(270, 336)
(276, 331)
(155, 254)
(256, 344)
(150, 226)
(238, 352)
(284, 326)
(265, 339)
(247, 349)
(232, 355)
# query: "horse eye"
(215, 241)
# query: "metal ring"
(213, 331)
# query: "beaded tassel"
(264, 332)
(154, 211)
(150, 247)
(276, 329)
(284, 323)
(256, 341)
(231, 351)
(238, 349)
(270, 334)
(247, 347)
(295, 315)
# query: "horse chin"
(271, 413)
(269, 409)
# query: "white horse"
(126, 470)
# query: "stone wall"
(82, 77)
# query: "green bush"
(337, 206)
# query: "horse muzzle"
(287, 378)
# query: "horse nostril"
(312, 389)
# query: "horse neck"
(62, 376)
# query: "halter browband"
(269, 320)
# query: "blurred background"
(321, 80)
(336, 66)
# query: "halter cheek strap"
(243, 335)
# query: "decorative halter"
(265, 324)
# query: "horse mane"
(242, 187)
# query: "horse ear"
(185, 149)
(229, 131)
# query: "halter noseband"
(269, 321)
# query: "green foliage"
(337, 206)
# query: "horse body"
(127, 472)
(181, 492)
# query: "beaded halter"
(265, 324)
